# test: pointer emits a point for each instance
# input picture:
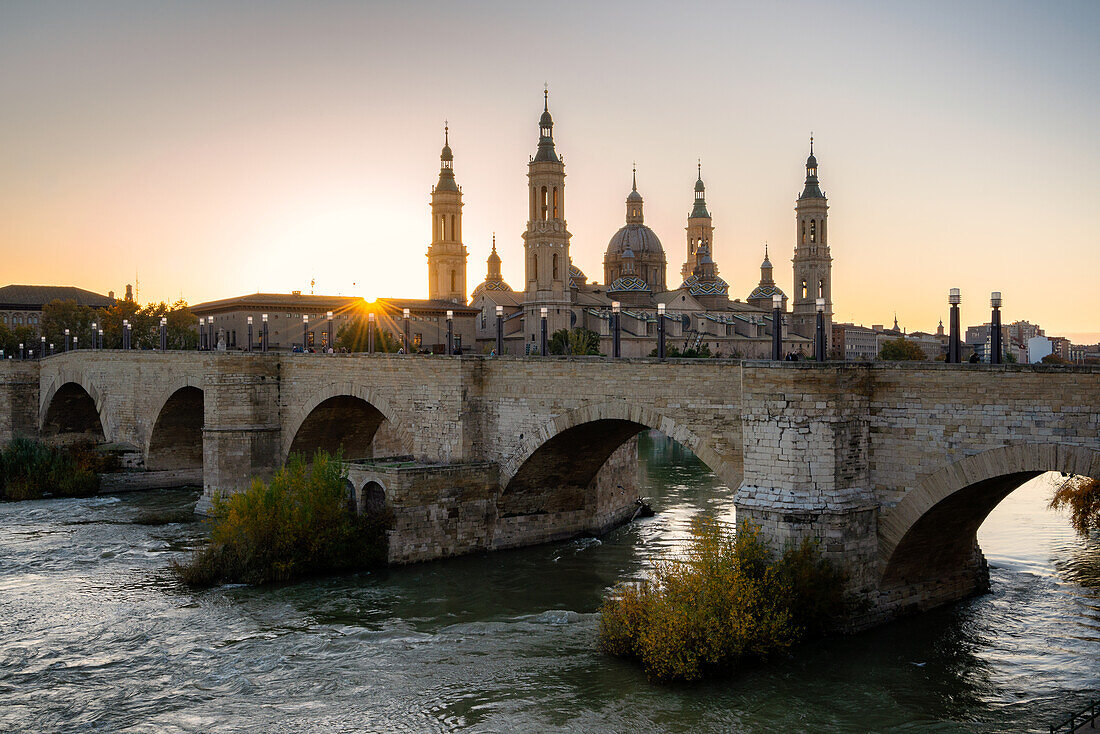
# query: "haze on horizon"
(226, 148)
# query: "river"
(96, 636)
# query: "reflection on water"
(96, 636)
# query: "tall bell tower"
(447, 254)
(700, 229)
(813, 265)
(546, 241)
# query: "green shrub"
(296, 525)
(727, 602)
(31, 469)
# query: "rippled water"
(96, 636)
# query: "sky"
(213, 149)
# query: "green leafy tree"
(574, 341)
(900, 350)
(111, 319)
(60, 315)
(354, 337)
(11, 338)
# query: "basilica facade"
(698, 311)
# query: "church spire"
(699, 210)
(493, 263)
(546, 131)
(446, 164)
(812, 190)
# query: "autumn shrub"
(31, 469)
(727, 602)
(297, 524)
(1081, 497)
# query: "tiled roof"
(39, 295)
(279, 302)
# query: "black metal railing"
(1083, 716)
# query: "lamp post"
(450, 332)
(68, 341)
(263, 333)
(370, 333)
(661, 330)
(819, 332)
(76, 342)
(405, 317)
(500, 330)
(20, 350)
(212, 340)
(305, 332)
(616, 310)
(42, 348)
(100, 336)
(51, 349)
(328, 317)
(954, 347)
(202, 334)
(163, 334)
(95, 340)
(996, 350)
(777, 327)
(249, 321)
(542, 330)
(125, 334)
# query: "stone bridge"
(892, 466)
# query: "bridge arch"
(931, 535)
(175, 440)
(567, 452)
(73, 408)
(347, 416)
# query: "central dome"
(636, 237)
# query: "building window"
(813, 230)
(453, 281)
(544, 202)
(453, 235)
(821, 289)
(555, 266)
(805, 290)
(555, 202)
(418, 339)
(803, 231)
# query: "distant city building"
(292, 316)
(21, 305)
(1037, 348)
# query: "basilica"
(699, 313)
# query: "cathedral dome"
(635, 237)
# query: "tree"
(60, 315)
(11, 338)
(900, 349)
(1053, 359)
(574, 341)
(354, 337)
(1081, 496)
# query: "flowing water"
(95, 635)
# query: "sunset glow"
(210, 150)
